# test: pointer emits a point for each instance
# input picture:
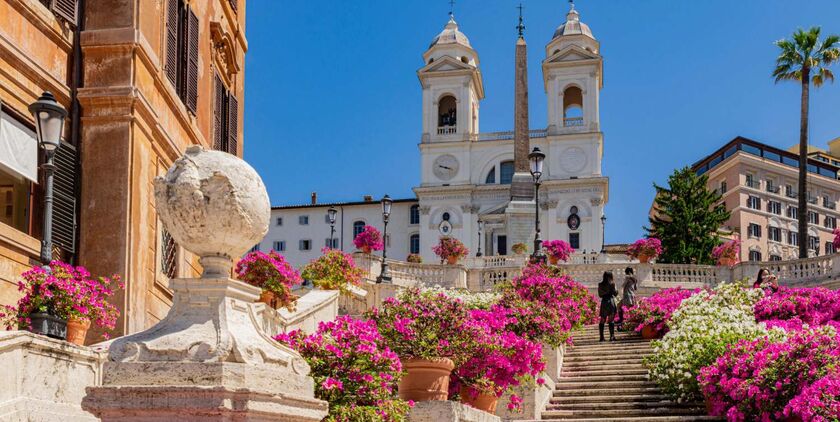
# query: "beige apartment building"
(758, 183)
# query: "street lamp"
(603, 233)
(386, 212)
(49, 118)
(331, 213)
(480, 224)
(536, 157)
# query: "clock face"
(445, 167)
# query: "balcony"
(773, 189)
(812, 200)
(791, 193)
(572, 121)
(447, 130)
(755, 184)
(829, 205)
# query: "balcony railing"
(508, 135)
(829, 205)
(572, 121)
(447, 130)
(773, 189)
(753, 183)
(812, 200)
(791, 193)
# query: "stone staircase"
(608, 382)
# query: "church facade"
(476, 186)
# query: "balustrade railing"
(447, 130)
(688, 275)
(572, 121)
(508, 135)
(800, 271)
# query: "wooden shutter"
(66, 9)
(219, 112)
(192, 63)
(64, 191)
(233, 4)
(172, 42)
(232, 124)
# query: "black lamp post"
(386, 212)
(331, 213)
(480, 223)
(49, 124)
(536, 157)
(603, 233)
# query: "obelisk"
(519, 214)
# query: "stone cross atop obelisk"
(522, 187)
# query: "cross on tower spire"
(451, 7)
(521, 26)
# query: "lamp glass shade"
(331, 214)
(49, 118)
(603, 219)
(536, 157)
(386, 205)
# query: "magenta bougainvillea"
(450, 247)
(558, 249)
(353, 369)
(271, 272)
(656, 310)
(66, 292)
(650, 247)
(790, 307)
(819, 402)
(727, 252)
(369, 239)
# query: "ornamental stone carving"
(595, 202)
(425, 210)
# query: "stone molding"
(448, 411)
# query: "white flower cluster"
(702, 328)
(474, 300)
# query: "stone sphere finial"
(213, 204)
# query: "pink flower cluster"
(792, 307)
(819, 402)
(656, 310)
(836, 240)
(558, 249)
(270, 272)
(66, 292)
(353, 369)
(756, 380)
(334, 270)
(450, 247)
(650, 247)
(369, 239)
(727, 251)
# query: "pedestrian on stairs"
(628, 297)
(609, 302)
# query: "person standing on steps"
(608, 295)
(628, 297)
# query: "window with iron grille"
(168, 255)
(414, 215)
(182, 52)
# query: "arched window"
(572, 107)
(414, 215)
(358, 227)
(414, 243)
(506, 171)
(491, 177)
(447, 114)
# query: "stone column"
(208, 360)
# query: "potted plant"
(450, 250)
(645, 249)
(273, 274)
(414, 258)
(650, 315)
(334, 270)
(430, 333)
(369, 240)
(519, 248)
(61, 301)
(557, 250)
(727, 253)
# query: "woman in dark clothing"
(628, 298)
(607, 293)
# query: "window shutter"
(64, 191)
(218, 115)
(66, 9)
(232, 124)
(192, 63)
(172, 42)
(233, 4)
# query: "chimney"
(368, 198)
(314, 198)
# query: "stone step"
(605, 365)
(616, 360)
(686, 418)
(607, 355)
(565, 379)
(599, 371)
(626, 405)
(610, 398)
(605, 392)
(578, 384)
(618, 413)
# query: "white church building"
(475, 186)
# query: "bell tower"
(452, 87)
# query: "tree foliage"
(686, 218)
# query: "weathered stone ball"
(213, 203)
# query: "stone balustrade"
(314, 306)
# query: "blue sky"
(333, 104)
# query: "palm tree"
(806, 59)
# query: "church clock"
(445, 167)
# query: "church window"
(446, 216)
(491, 177)
(506, 171)
(358, 227)
(447, 113)
(414, 215)
(574, 240)
(414, 243)
(572, 107)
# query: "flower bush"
(836, 240)
(703, 327)
(425, 325)
(353, 369)
(414, 258)
(757, 379)
(558, 249)
(450, 247)
(650, 247)
(519, 248)
(819, 402)
(66, 292)
(270, 272)
(334, 270)
(369, 239)
(656, 310)
(472, 300)
(727, 252)
(797, 306)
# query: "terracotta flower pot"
(367, 249)
(425, 379)
(452, 260)
(553, 260)
(269, 298)
(644, 259)
(479, 400)
(77, 330)
(650, 333)
(728, 262)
